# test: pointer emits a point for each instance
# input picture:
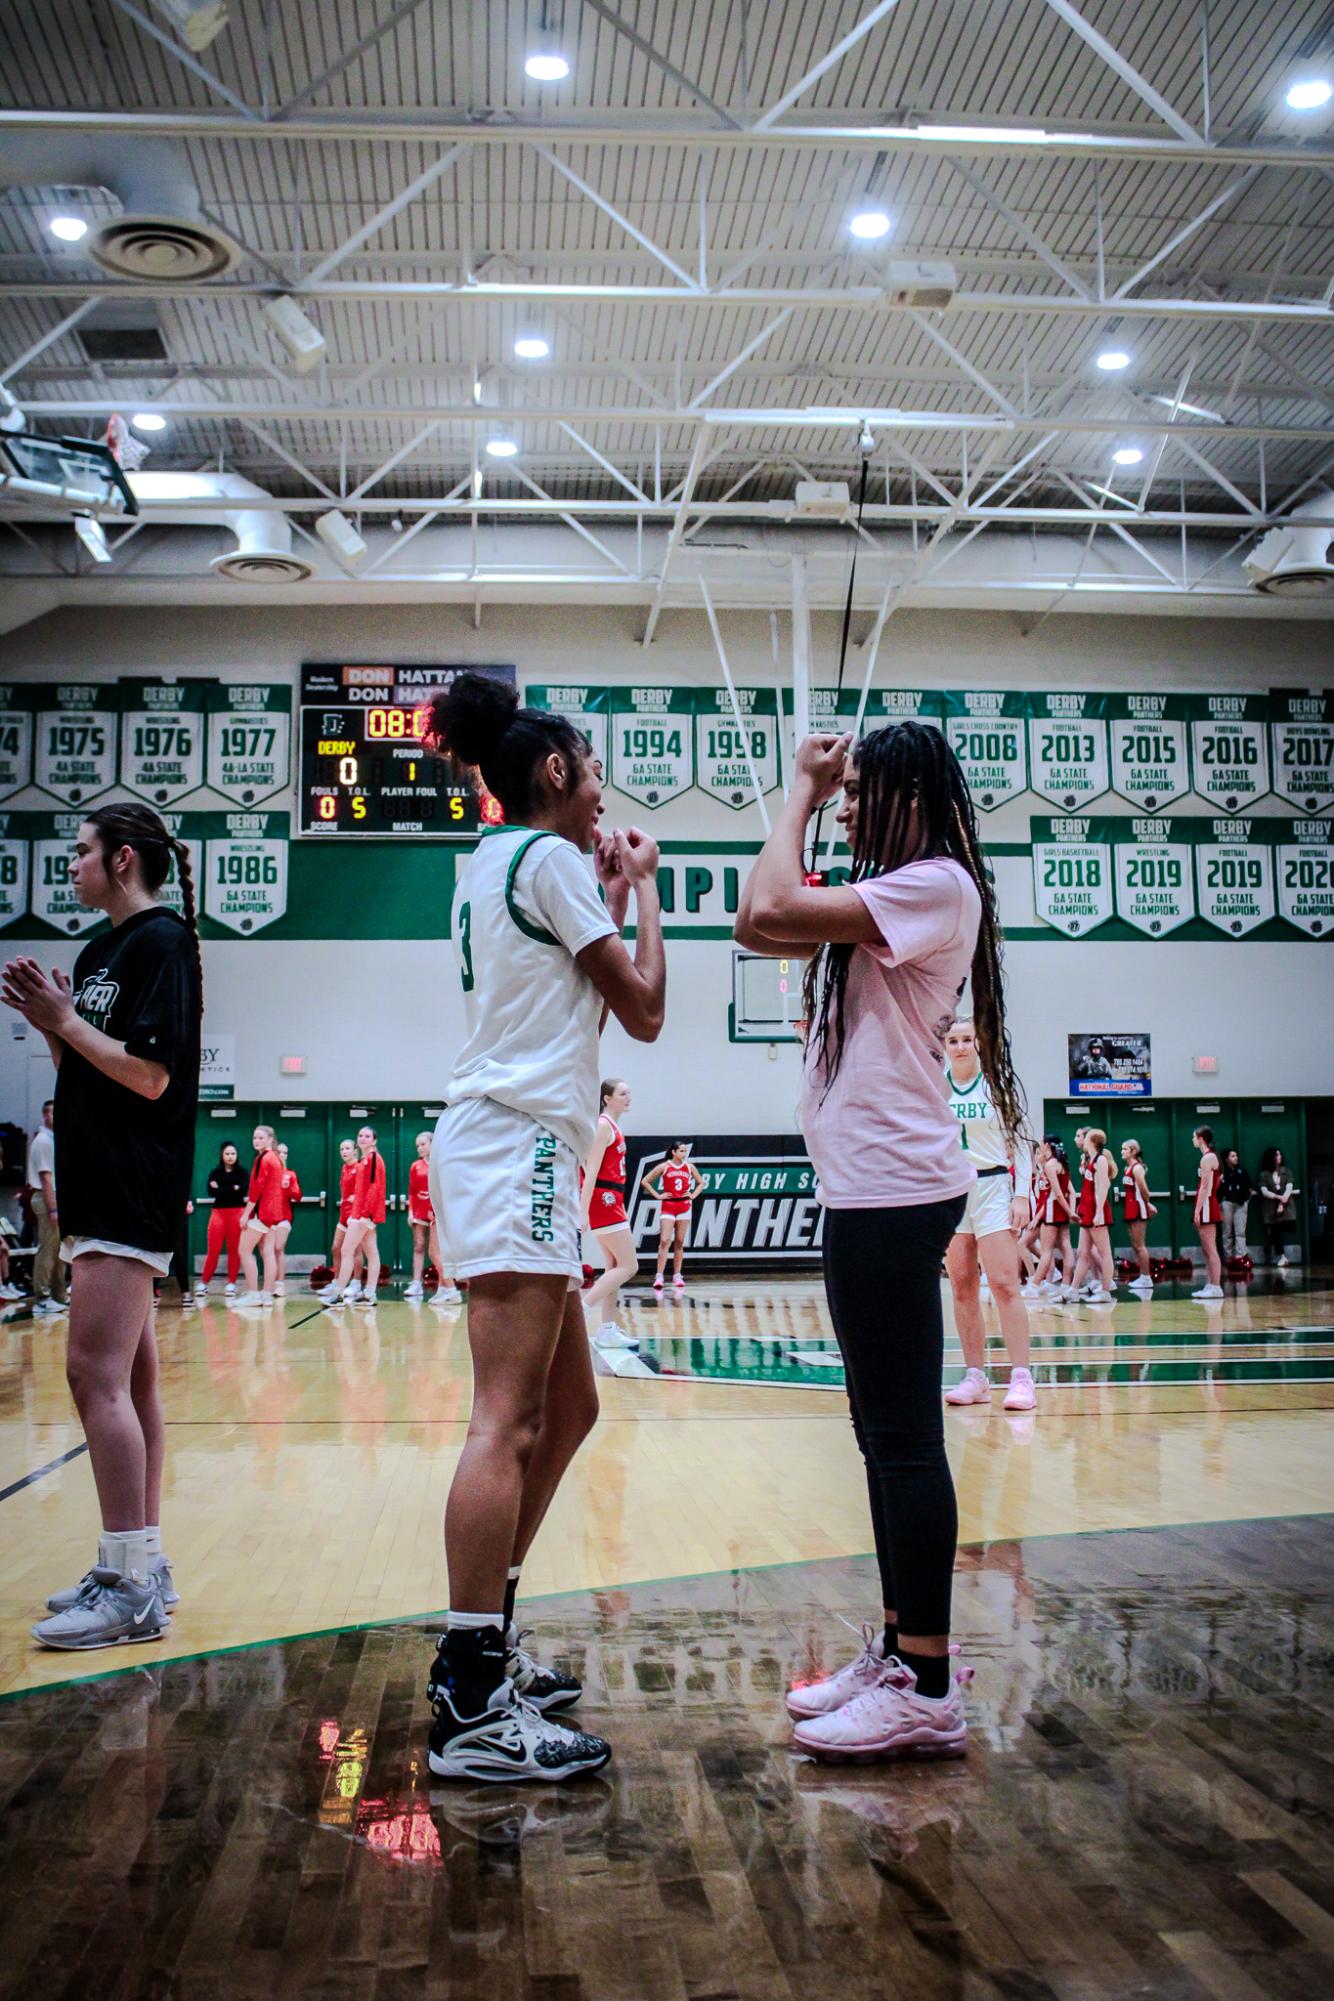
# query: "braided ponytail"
(186, 877)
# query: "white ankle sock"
(126, 1550)
(154, 1536)
(474, 1620)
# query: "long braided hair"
(131, 825)
(915, 805)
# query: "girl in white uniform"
(997, 1209)
(541, 963)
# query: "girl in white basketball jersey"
(997, 1209)
(541, 964)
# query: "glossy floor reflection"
(1147, 1807)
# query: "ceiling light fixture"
(197, 25)
(148, 420)
(1113, 358)
(532, 347)
(501, 448)
(69, 228)
(869, 224)
(547, 66)
(1310, 93)
(1127, 455)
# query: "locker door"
(1151, 1124)
(1220, 1115)
(304, 1130)
(215, 1124)
(1280, 1122)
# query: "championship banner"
(1068, 759)
(652, 743)
(245, 871)
(75, 731)
(1304, 858)
(52, 897)
(13, 869)
(832, 713)
(1234, 876)
(1150, 749)
(586, 708)
(162, 739)
(1303, 733)
(1072, 874)
(721, 767)
(986, 733)
(249, 741)
(15, 739)
(1229, 750)
(1154, 880)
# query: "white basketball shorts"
(988, 1207)
(505, 1193)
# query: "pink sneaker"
(657, 1283)
(890, 1720)
(1022, 1393)
(973, 1387)
(679, 1282)
(822, 1698)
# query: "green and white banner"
(1072, 874)
(52, 896)
(1150, 749)
(652, 743)
(15, 739)
(75, 730)
(1229, 750)
(726, 754)
(249, 741)
(1305, 861)
(986, 733)
(190, 828)
(245, 870)
(587, 708)
(1154, 880)
(14, 858)
(1234, 876)
(1068, 762)
(162, 739)
(1303, 736)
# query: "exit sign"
(292, 1066)
(1205, 1066)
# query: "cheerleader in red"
(347, 1181)
(603, 1198)
(1095, 1218)
(1054, 1206)
(421, 1215)
(367, 1213)
(282, 1230)
(1138, 1211)
(1208, 1214)
(679, 1181)
(263, 1209)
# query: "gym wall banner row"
(238, 861)
(162, 740)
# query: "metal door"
(304, 1130)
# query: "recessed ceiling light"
(1310, 93)
(148, 420)
(869, 224)
(547, 66)
(1128, 455)
(532, 347)
(1113, 358)
(69, 228)
(501, 448)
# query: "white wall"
(382, 1017)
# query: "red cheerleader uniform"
(368, 1190)
(291, 1193)
(607, 1209)
(346, 1187)
(1136, 1210)
(1086, 1211)
(1211, 1212)
(675, 1190)
(266, 1189)
(419, 1192)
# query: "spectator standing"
(48, 1279)
(1275, 1202)
(1235, 1189)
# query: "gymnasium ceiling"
(673, 219)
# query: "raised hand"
(820, 762)
(638, 854)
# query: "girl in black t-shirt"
(124, 1035)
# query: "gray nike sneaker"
(160, 1568)
(110, 1611)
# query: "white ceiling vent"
(161, 236)
(258, 566)
(263, 552)
(1294, 561)
(161, 249)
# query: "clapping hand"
(42, 999)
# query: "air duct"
(263, 552)
(1294, 561)
(161, 237)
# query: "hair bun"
(469, 718)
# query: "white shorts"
(988, 1208)
(505, 1194)
(77, 1247)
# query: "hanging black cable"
(813, 869)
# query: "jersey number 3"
(465, 945)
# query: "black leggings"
(882, 1279)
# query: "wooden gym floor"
(1145, 1585)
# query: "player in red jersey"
(680, 1181)
(282, 1230)
(1208, 1214)
(424, 1236)
(347, 1154)
(1138, 1211)
(604, 1211)
(1055, 1206)
(369, 1191)
(263, 1211)
(1095, 1219)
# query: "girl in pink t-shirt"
(890, 955)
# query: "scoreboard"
(363, 768)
